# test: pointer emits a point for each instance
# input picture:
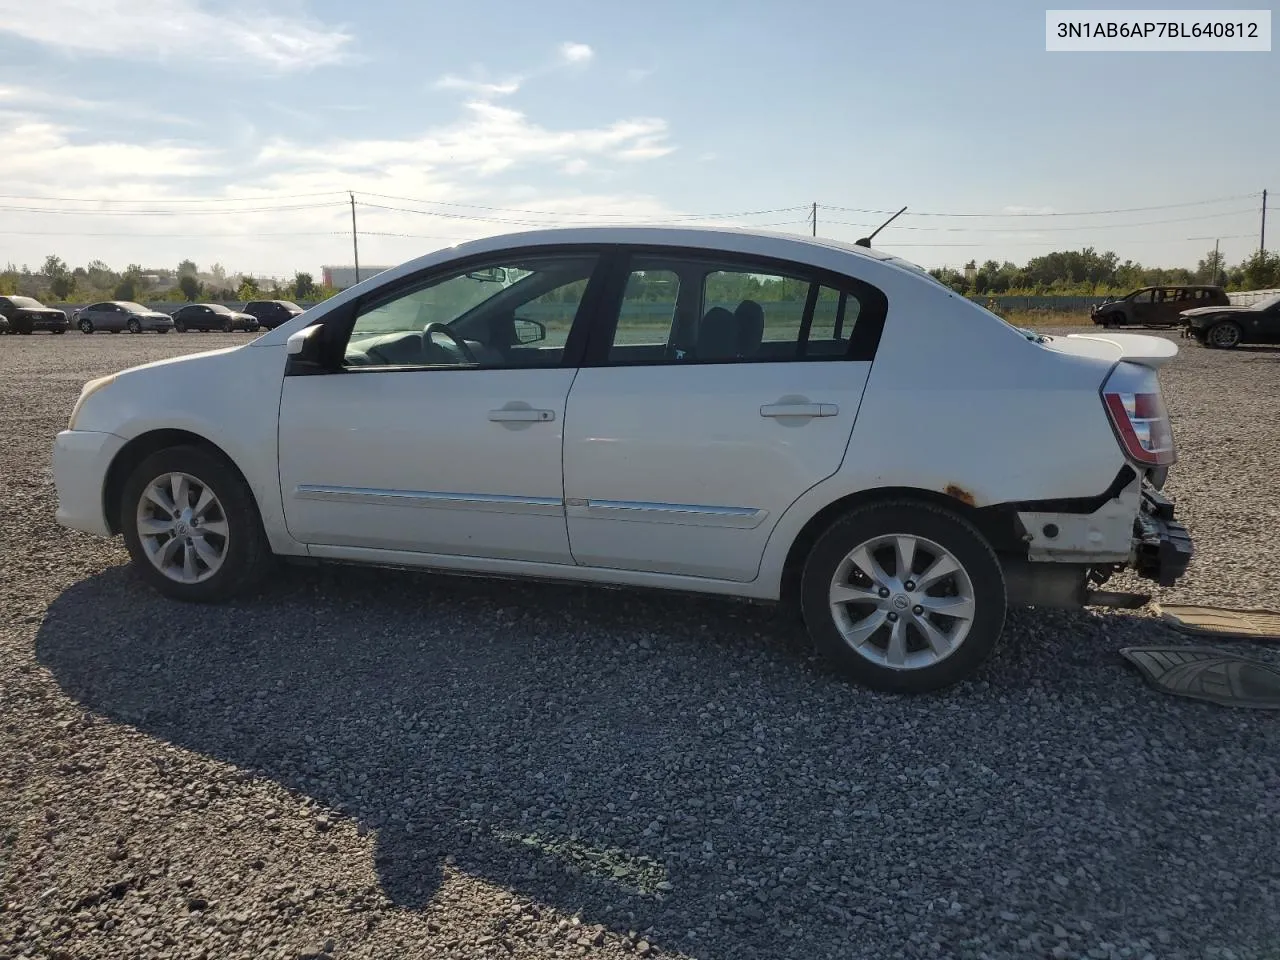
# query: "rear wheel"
(192, 527)
(904, 597)
(1225, 335)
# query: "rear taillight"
(1142, 424)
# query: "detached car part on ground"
(26, 315)
(726, 412)
(1228, 327)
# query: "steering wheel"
(436, 327)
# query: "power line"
(286, 196)
(1085, 226)
(1036, 243)
(169, 213)
(571, 213)
(1037, 213)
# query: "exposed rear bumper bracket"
(1162, 546)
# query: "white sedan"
(765, 416)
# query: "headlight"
(90, 388)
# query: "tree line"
(1087, 273)
(57, 281)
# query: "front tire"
(1225, 335)
(904, 597)
(180, 326)
(86, 326)
(192, 527)
(135, 326)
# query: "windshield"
(131, 306)
(217, 308)
(289, 305)
(443, 303)
(24, 302)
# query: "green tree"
(8, 283)
(126, 289)
(187, 268)
(304, 287)
(249, 289)
(62, 281)
(1261, 271)
(189, 285)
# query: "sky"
(150, 131)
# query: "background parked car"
(26, 315)
(272, 313)
(4, 323)
(1157, 306)
(1231, 326)
(117, 315)
(212, 316)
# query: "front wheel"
(86, 326)
(180, 326)
(904, 597)
(135, 326)
(192, 527)
(1225, 335)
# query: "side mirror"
(304, 351)
(530, 331)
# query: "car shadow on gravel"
(679, 764)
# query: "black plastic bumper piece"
(1164, 547)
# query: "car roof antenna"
(866, 241)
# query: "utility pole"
(1262, 241)
(815, 218)
(355, 243)
(1217, 265)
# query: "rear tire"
(885, 635)
(233, 553)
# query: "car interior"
(500, 330)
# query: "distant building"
(339, 278)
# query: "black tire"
(227, 326)
(248, 556)
(86, 326)
(179, 326)
(1225, 335)
(915, 519)
(134, 326)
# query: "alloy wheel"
(1225, 335)
(183, 528)
(902, 602)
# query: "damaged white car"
(765, 416)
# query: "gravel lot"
(373, 764)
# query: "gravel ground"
(372, 764)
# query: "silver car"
(117, 315)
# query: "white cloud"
(1015, 210)
(29, 97)
(181, 30)
(481, 88)
(490, 139)
(572, 52)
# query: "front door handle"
(521, 415)
(799, 410)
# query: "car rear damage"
(1073, 549)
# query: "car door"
(719, 390)
(1141, 307)
(414, 444)
(110, 318)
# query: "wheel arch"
(998, 526)
(143, 446)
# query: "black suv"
(26, 315)
(272, 313)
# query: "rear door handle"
(521, 416)
(799, 410)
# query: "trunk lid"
(1153, 352)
